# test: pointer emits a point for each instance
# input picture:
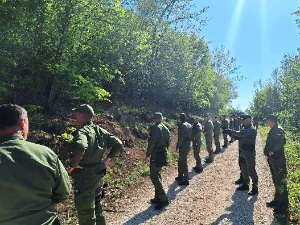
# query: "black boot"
(272, 204)
(208, 160)
(178, 178)
(161, 205)
(239, 181)
(154, 201)
(184, 182)
(197, 170)
(244, 187)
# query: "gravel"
(209, 199)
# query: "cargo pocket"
(161, 159)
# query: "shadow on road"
(173, 190)
(150, 212)
(241, 210)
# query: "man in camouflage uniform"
(158, 144)
(274, 150)
(217, 127)
(90, 142)
(231, 126)
(237, 128)
(208, 134)
(247, 138)
(32, 178)
(184, 144)
(225, 126)
(236, 122)
(197, 130)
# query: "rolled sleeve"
(79, 145)
(115, 144)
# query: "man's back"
(225, 124)
(217, 127)
(32, 180)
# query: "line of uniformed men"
(33, 179)
(238, 128)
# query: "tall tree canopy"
(100, 50)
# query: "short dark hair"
(11, 115)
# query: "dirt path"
(209, 199)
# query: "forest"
(53, 52)
(56, 54)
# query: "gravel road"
(209, 199)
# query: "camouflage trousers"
(279, 172)
(225, 137)
(196, 150)
(248, 168)
(88, 189)
(182, 163)
(155, 176)
(217, 142)
(208, 140)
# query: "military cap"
(206, 115)
(245, 116)
(158, 115)
(272, 117)
(182, 116)
(85, 109)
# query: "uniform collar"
(9, 137)
(275, 127)
(87, 123)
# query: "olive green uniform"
(237, 124)
(197, 129)
(32, 181)
(89, 144)
(158, 144)
(208, 134)
(247, 137)
(277, 162)
(184, 144)
(217, 127)
(231, 126)
(225, 126)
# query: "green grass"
(292, 152)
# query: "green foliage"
(145, 170)
(35, 113)
(67, 137)
(91, 50)
(226, 71)
(143, 146)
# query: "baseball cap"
(85, 109)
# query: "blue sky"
(257, 32)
